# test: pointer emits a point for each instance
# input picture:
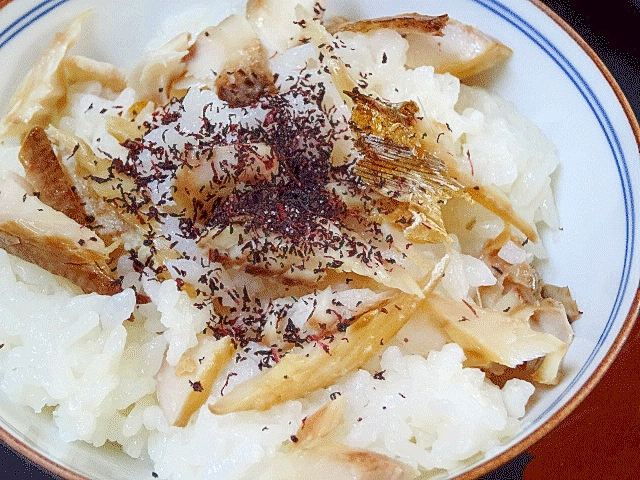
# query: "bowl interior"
(551, 78)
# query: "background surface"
(601, 438)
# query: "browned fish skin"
(241, 88)
(48, 177)
(409, 21)
(562, 295)
(39, 234)
(396, 124)
(246, 77)
(61, 256)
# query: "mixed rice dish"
(288, 246)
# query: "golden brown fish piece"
(301, 372)
(48, 177)
(515, 284)
(506, 338)
(230, 58)
(441, 42)
(183, 389)
(562, 295)
(315, 32)
(394, 162)
(98, 182)
(403, 164)
(314, 451)
(398, 159)
(243, 86)
(153, 77)
(43, 88)
(318, 426)
(41, 235)
(312, 367)
(78, 68)
(277, 23)
(403, 23)
(338, 462)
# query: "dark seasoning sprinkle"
(196, 386)
(293, 221)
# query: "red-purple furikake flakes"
(284, 219)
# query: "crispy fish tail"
(401, 164)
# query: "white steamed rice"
(93, 358)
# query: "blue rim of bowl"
(624, 285)
(28, 18)
(621, 164)
(587, 93)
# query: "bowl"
(553, 77)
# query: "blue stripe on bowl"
(621, 164)
(27, 19)
(581, 85)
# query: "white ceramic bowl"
(553, 77)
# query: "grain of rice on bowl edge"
(288, 243)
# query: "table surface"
(601, 438)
